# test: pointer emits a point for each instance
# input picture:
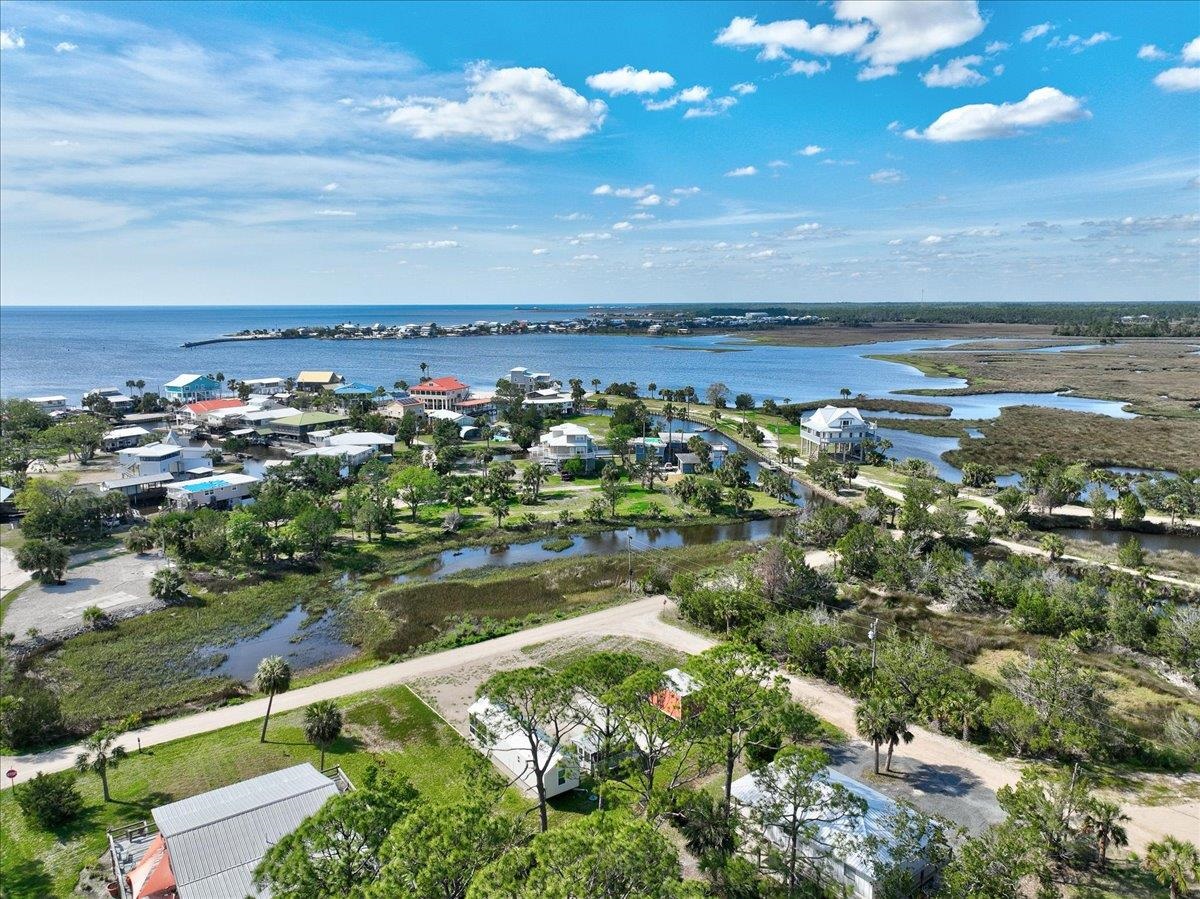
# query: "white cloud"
(1179, 79)
(694, 94)
(712, 108)
(984, 121)
(807, 67)
(742, 88)
(503, 105)
(778, 164)
(572, 217)
(585, 257)
(956, 73)
(605, 190)
(331, 187)
(743, 172)
(1077, 44)
(590, 235)
(642, 216)
(539, 251)
(774, 39)
(685, 191)
(998, 70)
(1150, 51)
(647, 264)
(995, 47)
(1191, 50)
(906, 31)
(426, 245)
(1033, 32)
(622, 226)
(11, 40)
(932, 240)
(895, 243)
(628, 80)
(650, 200)
(65, 47)
(887, 176)
(761, 254)
(811, 150)
(336, 212)
(871, 73)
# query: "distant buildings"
(298, 427)
(441, 393)
(403, 404)
(189, 388)
(208, 846)
(265, 386)
(53, 403)
(835, 430)
(316, 381)
(122, 438)
(116, 399)
(528, 381)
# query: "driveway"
(118, 585)
(939, 767)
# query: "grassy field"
(390, 728)
(834, 334)
(1157, 377)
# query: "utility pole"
(872, 634)
(629, 558)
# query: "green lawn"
(390, 728)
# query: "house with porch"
(189, 388)
(836, 430)
(441, 393)
(299, 426)
(122, 438)
(172, 455)
(851, 852)
(568, 441)
(52, 403)
(225, 491)
(402, 404)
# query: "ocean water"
(70, 350)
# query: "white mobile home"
(222, 492)
(498, 735)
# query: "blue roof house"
(190, 388)
(355, 389)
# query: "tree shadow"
(71, 585)
(27, 877)
(942, 780)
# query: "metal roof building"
(215, 840)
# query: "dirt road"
(639, 620)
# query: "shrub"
(50, 800)
(29, 715)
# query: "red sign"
(10, 773)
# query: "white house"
(169, 456)
(528, 381)
(568, 441)
(54, 403)
(351, 455)
(222, 491)
(835, 430)
(122, 438)
(118, 400)
(381, 443)
(849, 850)
(504, 742)
(265, 386)
(459, 418)
(189, 388)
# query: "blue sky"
(872, 150)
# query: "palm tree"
(1103, 820)
(845, 392)
(1174, 863)
(424, 368)
(274, 675)
(1054, 546)
(882, 720)
(167, 585)
(322, 725)
(140, 384)
(101, 754)
(595, 385)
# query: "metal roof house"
(208, 846)
(316, 381)
(849, 850)
(299, 426)
(836, 430)
(188, 388)
(503, 742)
(223, 491)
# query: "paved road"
(939, 766)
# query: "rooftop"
(317, 377)
(186, 380)
(438, 385)
(307, 419)
(203, 406)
